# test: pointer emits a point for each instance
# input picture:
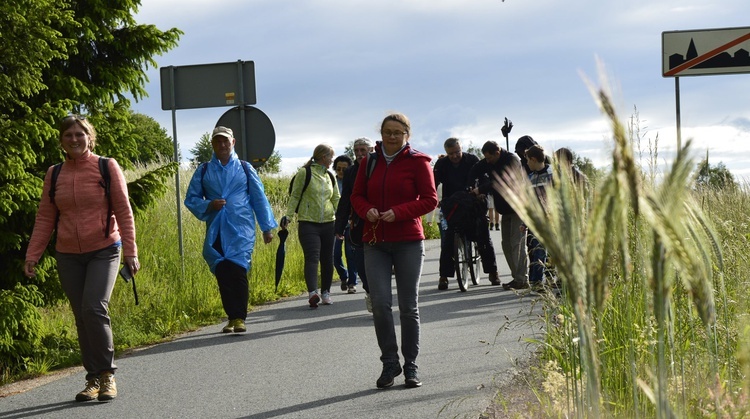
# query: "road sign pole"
(677, 104)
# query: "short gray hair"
(363, 141)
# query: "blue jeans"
(348, 272)
(537, 259)
(406, 258)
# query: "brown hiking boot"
(107, 386)
(90, 392)
(443, 283)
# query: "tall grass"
(647, 326)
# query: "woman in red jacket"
(392, 200)
(88, 244)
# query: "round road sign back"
(259, 139)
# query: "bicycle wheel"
(477, 265)
(461, 260)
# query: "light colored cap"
(363, 141)
(223, 131)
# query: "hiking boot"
(239, 326)
(343, 284)
(314, 299)
(497, 226)
(352, 290)
(515, 285)
(90, 392)
(491, 226)
(391, 370)
(368, 303)
(229, 328)
(108, 388)
(412, 380)
(327, 298)
(443, 283)
(494, 278)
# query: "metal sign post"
(215, 85)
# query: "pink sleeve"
(44, 224)
(121, 207)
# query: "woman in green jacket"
(315, 205)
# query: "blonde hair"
(320, 151)
(71, 120)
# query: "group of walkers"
(459, 171)
(370, 211)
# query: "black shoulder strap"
(104, 171)
(372, 158)
(203, 167)
(308, 175)
(55, 174)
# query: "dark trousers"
(359, 263)
(447, 238)
(233, 288)
(486, 249)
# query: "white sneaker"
(327, 298)
(368, 302)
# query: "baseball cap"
(223, 131)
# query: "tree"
(58, 57)
(272, 165)
(203, 151)
(155, 145)
(715, 177)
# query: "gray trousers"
(406, 259)
(317, 241)
(514, 246)
(88, 280)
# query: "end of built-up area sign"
(705, 52)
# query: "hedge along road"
(296, 362)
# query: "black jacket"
(484, 173)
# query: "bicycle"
(467, 260)
(462, 210)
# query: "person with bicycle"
(452, 171)
(496, 162)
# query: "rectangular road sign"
(208, 85)
(705, 52)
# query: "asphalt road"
(295, 362)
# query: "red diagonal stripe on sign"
(701, 58)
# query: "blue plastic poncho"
(235, 223)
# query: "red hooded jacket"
(406, 186)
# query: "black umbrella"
(280, 255)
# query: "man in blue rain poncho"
(228, 195)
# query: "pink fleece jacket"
(80, 198)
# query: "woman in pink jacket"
(392, 200)
(89, 240)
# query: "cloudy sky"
(328, 71)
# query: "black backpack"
(308, 175)
(104, 183)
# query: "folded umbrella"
(280, 255)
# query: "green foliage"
(714, 177)
(272, 165)
(19, 326)
(146, 190)
(203, 151)
(59, 57)
(155, 145)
